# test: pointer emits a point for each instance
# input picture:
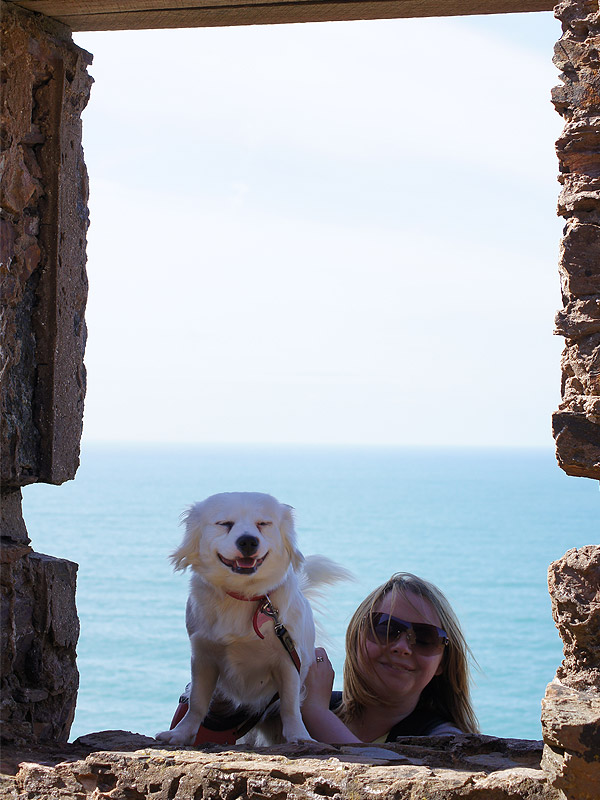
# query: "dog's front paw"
(294, 734)
(175, 737)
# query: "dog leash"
(267, 609)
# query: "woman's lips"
(397, 667)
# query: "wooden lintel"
(104, 15)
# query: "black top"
(419, 723)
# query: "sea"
(482, 524)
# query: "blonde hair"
(447, 694)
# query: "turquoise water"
(481, 524)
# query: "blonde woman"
(406, 671)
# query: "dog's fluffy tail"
(320, 571)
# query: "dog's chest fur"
(245, 661)
(246, 668)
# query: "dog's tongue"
(245, 563)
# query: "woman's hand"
(322, 724)
(319, 681)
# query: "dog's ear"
(188, 552)
(288, 532)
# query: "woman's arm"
(322, 724)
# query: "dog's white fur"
(228, 658)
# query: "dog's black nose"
(247, 544)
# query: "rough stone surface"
(43, 224)
(40, 628)
(576, 424)
(119, 765)
(574, 586)
(571, 729)
(105, 15)
(12, 526)
(571, 706)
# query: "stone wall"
(45, 87)
(126, 766)
(40, 629)
(576, 424)
(571, 707)
(43, 225)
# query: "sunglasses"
(422, 637)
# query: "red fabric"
(204, 735)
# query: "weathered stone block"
(571, 729)
(124, 765)
(579, 318)
(577, 443)
(580, 258)
(576, 424)
(571, 706)
(574, 585)
(45, 87)
(40, 628)
(12, 526)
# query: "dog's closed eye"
(263, 524)
(226, 524)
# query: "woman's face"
(399, 672)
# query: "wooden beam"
(105, 15)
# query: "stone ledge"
(127, 766)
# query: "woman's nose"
(402, 643)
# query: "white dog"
(250, 625)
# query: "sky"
(332, 233)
